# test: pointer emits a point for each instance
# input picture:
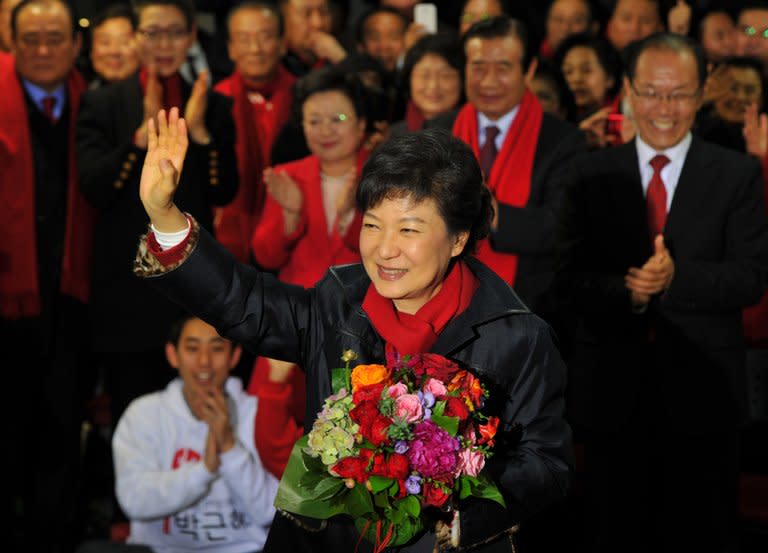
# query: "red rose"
(364, 413)
(351, 467)
(435, 494)
(378, 432)
(439, 367)
(371, 392)
(455, 407)
(397, 467)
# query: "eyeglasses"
(677, 98)
(336, 121)
(156, 34)
(751, 31)
(34, 41)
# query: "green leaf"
(409, 505)
(340, 378)
(326, 489)
(481, 487)
(438, 409)
(379, 483)
(358, 502)
(381, 500)
(449, 424)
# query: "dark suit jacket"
(531, 232)
(686, 349)
(127, 314)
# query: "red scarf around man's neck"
(236, 221)
(414, 119)
(19, 285)
(411, 334)
(172, 96)
(510, 178)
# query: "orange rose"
(365, 375)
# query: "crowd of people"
(625, 147)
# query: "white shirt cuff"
(167, 240)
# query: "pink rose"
(408, 407)
(436, 387)
(397, 390)
(470, 462)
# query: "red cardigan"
(303, 257)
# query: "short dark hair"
(329, 79)
(607, 56)
(744, 62)
(363, 19)
(656, 3)
(546, 71)
(24, 3)
(445, 46)
(113, 11)
(430, 164)
(258, 5)
(501, 26)
(670, 42)
(186, 7)
(177, 327)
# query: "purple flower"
(433, 451)
(427, 414)
(413, 484)
(401, 446)
(428, 399)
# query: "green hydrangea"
(333, 434)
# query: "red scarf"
(510, 178)
(546, 52)
(171, 89)
(19, 286)
(410, 334)
(256, 128)
(414, 119)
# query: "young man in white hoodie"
(187, 472)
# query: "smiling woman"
(417, 290)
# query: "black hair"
(607, 56)
(587, 3)
(258, 5)
(547, 71)
(501, 26)
(113, 11)
(363, 19)
(445, 46)
(430, 164)
(743, 62)
(753, 5)
(326, 79)
(656, 3)
(24, 3)
(186, 7)
(670, 42)
(177, 327)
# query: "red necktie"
(488, 151)
(656, 197)
(48, 104)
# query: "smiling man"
(45, 237)
(670, 242)
(523, 152)
(187, 472)
(260, 88)
(111, 145)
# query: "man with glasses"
(261, 90)
(129, 321)
(45, 232)
(668, 242)
(752, 31)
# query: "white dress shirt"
(503, 123)
(670, 174)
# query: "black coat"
(531, 231)
(717, 233)
(110, 168)
(509, 348)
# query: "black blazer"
(687, 347)
(532, 231)
(510, 348)
(110, 169)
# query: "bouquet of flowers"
(391, 441)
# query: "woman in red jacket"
(309, 223)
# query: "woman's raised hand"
(166, 148)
